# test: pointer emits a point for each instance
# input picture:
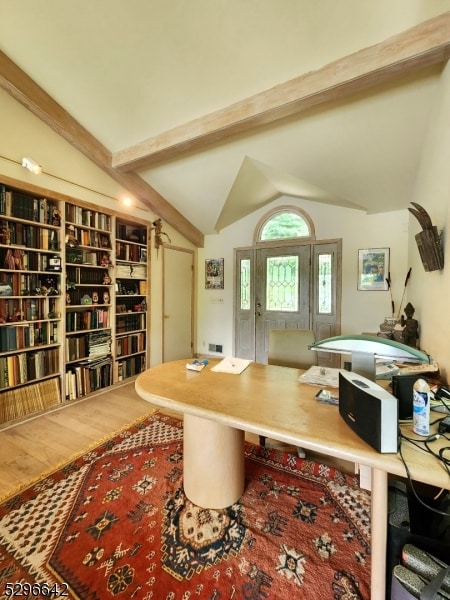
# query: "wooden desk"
(269, 400)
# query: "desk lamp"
(364, 350)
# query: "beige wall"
(429, 292)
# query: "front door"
(281, 293)
(286, 287)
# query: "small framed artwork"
(105, 242)
(143, 255)
(373, 269)
(214, 273)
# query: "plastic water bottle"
(421, 407)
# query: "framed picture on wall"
(214, 273)
(373, 269)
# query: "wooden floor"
(39, 445)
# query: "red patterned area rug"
(115, 523)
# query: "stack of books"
(99, 343)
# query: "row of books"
(87, 217)
(22, 206)
(130, 366)
(32, 236)
(20, 336)
(28, 260)
(24, 400)
(131, 252)
(16, 369)
(90, 237)
(97, 318)
(23, 309)
(130, 344)
(80, 275)
(87, 377)
(130, 322)
(31, 284)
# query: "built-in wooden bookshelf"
(131, 299)
(88, 300)
(30, 303)
(73, 299)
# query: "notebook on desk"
(231, 365)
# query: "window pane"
(285, 225)
(245, 284)
(282, 283)
(324, 280)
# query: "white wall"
(361, 311)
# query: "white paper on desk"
(323, 376)
(231, 365)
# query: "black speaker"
(402, 388)
(370, 410)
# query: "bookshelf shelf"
(73, 299)
(131, 318)
(89, 287)
(30, 302)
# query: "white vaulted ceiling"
(190, 101)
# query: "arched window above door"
(284, 223)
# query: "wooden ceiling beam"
(412, 50)
(23, 89)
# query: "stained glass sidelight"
(324, 281)
(245, 284)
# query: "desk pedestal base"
(213, 463)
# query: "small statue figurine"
(71, 240)
(410, 327)
(105, 260)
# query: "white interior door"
(178, 314)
